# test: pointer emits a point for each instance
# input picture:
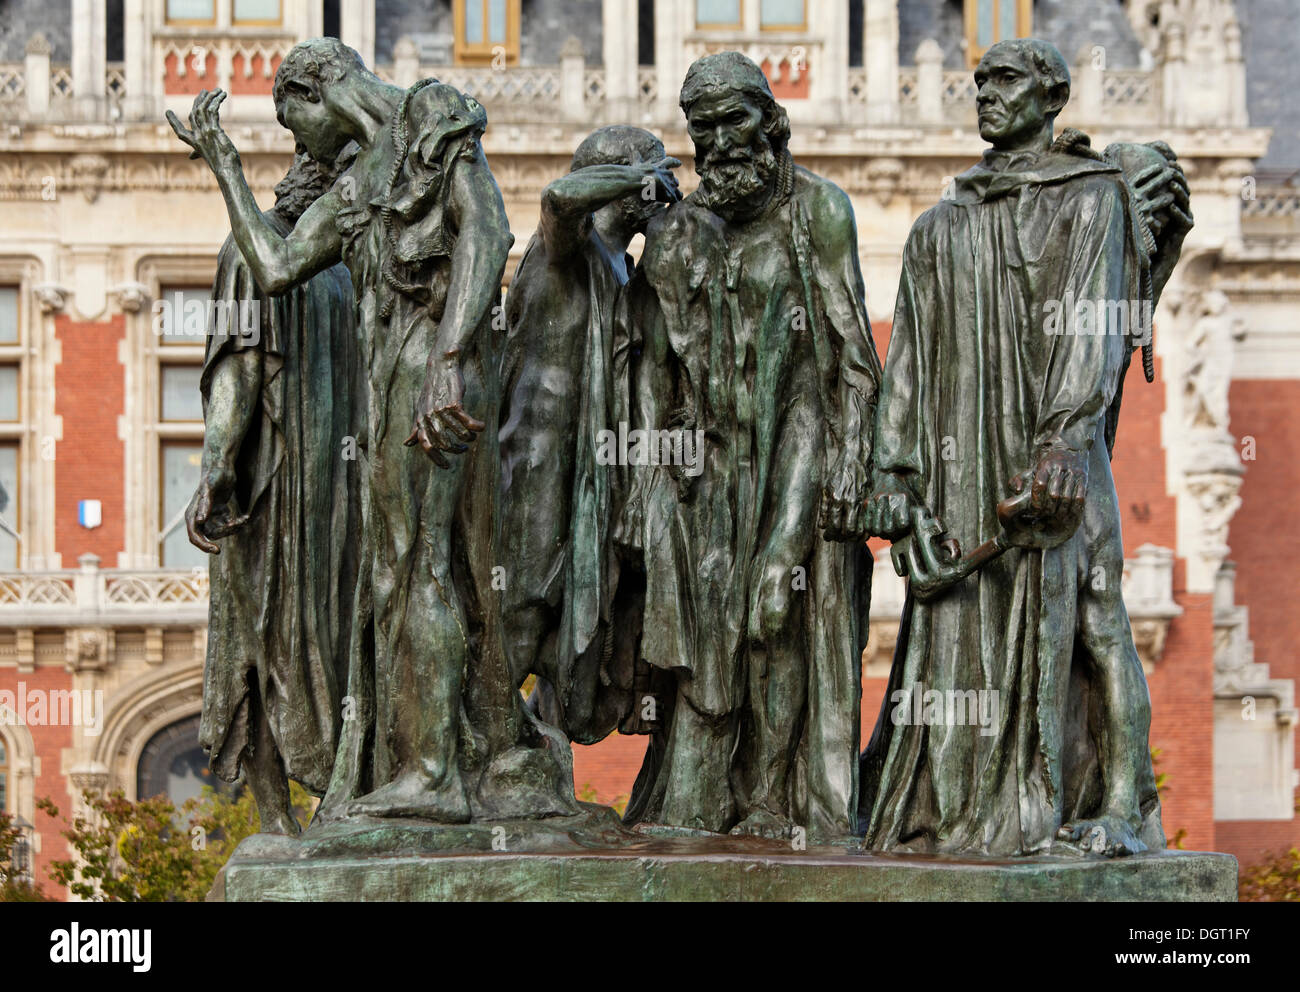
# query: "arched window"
(173, 764)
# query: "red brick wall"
(49, 742)
(604, 772)
(190, 83)
(1263, 542)
(1254, 841)
(786, 88)
(1263, 535)
(89, 394)
(1182, 685)
(256, 84)
(1182, 720)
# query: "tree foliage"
(1276, 880)
(12, 887)
(149, 851)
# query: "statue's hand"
(888, 510)
(1165, 200)
(665, 183)
(1058, 486)
(441, 423)
(841, 517)
(214, 490)
(205, 135)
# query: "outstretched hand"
(204, 135)
(442, 425)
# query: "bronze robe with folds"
(753, 338)
(434, 701)
(973, 373)
(559, 391)
(282, 587)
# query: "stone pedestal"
(591, 858)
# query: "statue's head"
(739, 130)
(306, 87)
(1022, 86)
(306, 181)
(622, 144)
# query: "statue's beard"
(736, 182)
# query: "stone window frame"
(147, 433)
(481, 53)
(23, 273)
(750, 23)
(970, 21)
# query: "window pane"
(1007, 20)
(257, 10)
(782, 12)
(8, 392)
(181, 314)
(497, 21)
(8, 314)
(984, 23)
(8, 506)
(181, 464)
(717, 11)
(474, 21)
(190, 10)
(180, 392)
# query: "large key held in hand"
(930, 558)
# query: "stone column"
(619, 51)
(89, 31)
(143, 84)
(828, 89)
(406, 62)
(880, 57)
(929, 82)
(1086, 93)
(357, 27)
(573, 80)
(36, 72)
(671, 17)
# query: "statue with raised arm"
(749, 333)
(434, 726)
(278, 509)
(1017, 715)
(571, 615)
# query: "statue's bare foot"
(410, 795)
(761, 823)
(1107, 836)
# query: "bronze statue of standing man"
(436, 728)
(749, 315)
(996, 417)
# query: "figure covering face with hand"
(748, 325)
(570, 616)
(434, 727)
(1017, 715)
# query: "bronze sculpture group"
(644, 488)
